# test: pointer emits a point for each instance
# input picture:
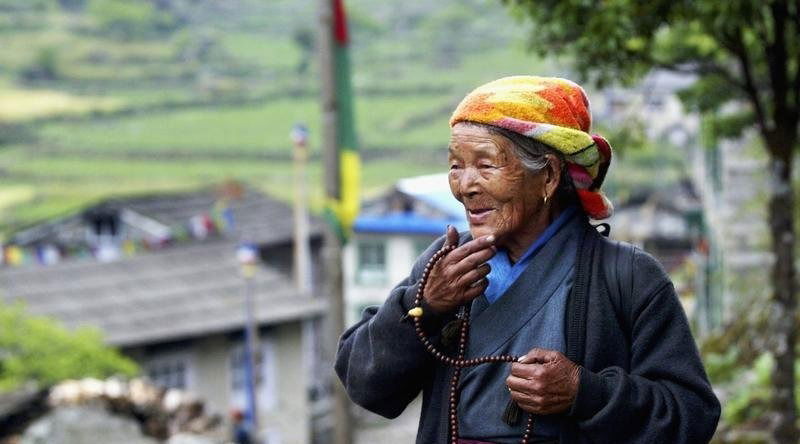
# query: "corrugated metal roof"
(257, 217)
(175, 293)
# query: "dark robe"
(529, 314)
(641, 378)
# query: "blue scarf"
(504, 273)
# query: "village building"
(158, 275)
(390, 233)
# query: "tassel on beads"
(512, 413)
(450, 333)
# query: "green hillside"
(102, 97)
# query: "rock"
(84, 424)
(152, 414)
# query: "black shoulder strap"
(613, 260)
(617, 260)
(576, 314)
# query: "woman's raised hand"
(460, 276)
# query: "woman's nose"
(468, 182)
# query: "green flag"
(343, 211)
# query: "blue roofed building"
(389, 235)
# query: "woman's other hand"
(543, 382)
(460, 276)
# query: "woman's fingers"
(470, 247)
(471, 277)
(535, 397)
(528, 398)
(474, 291)
(446, 298)
(544, 381)
(539, 355)
(460, 276)
(472, 261)
(451, 236)
(518, 384)
(526, 371)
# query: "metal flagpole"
(247, 256)
(302, 254)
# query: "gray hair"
(532, 154)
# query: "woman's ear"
(552, 174)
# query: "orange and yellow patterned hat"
(555, 112)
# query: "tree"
(38, 349)
(745, 55)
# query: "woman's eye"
(487, 165)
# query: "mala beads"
(458, 362)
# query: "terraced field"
(85, 113)
(98, 100)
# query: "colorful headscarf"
(552, 111)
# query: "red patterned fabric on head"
(553, 111)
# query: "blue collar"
(503, 273)
(548, 233)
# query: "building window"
(265, 376)
(170, 371)
(371, 263)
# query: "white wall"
(401, 252)
(284, 411)
(289, 419)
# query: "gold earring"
(545, 199)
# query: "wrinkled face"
(499, 195)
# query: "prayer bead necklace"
(457, 362)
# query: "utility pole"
(333, 245)
(302, 254)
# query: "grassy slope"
(151, 114)
(59, 165)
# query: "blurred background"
(163, 210)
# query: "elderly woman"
(531, 327)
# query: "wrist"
(575, 382)
(591, 395)
(436, 308)
(432, 319)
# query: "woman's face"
(499, 195)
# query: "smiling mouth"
(479, 216)
(478, 211)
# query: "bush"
(39, 349)
(747, 387)
(753, 394)
(44, 66)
